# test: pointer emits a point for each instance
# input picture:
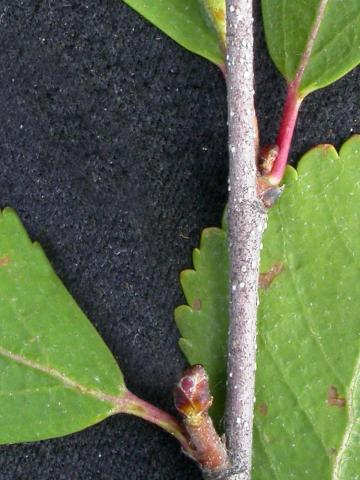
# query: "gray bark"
(247, 219)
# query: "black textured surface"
(113, 151)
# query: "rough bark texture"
(246, 225)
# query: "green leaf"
(186, 22)
(307, 413)
(206, 291)
(320, 37)
(56, 374)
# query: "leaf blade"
(186, 22)
(56, 373)
(291, 29)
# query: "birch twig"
(247, 219)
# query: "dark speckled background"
(113, 151)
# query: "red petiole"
(286, 132)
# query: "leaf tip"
(208, 233)
(185, 276)
(353, 143)
(9, 213)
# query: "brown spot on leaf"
(333, 398)
(196, 305)
(333, 452)
(219, 14)
(266, 279)
(5, 260)
(263, 409)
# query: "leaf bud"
(192, 395)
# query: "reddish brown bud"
(192, 395)
(193, 400)
(268, 155)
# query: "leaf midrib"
(305, 58)
(352, 420)
(64, 379)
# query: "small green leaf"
(186, 22)
(317, 41)
(56, 374)
(307, 412)
(204, 336)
